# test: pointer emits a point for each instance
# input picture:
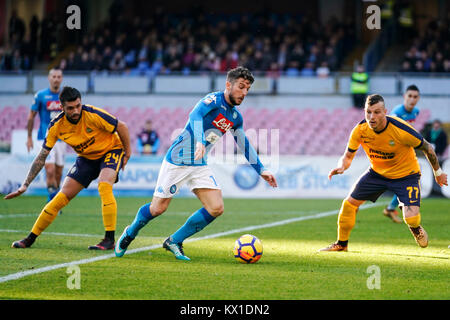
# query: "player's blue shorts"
(85, 171)
(371, 186)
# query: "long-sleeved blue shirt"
(210, 119)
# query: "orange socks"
(346, 220)
(413, 222)
(49, 213)
(109, 206)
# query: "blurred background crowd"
(162, 42)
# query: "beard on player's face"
(73, 110)
(74, 118)
(233, 100)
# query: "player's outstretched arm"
(343, 164)
(124, 135)
(36, 167)
(252, 157)
(439, 175)
(270, 178)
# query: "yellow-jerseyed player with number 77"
(389, 143)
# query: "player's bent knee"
(217, 210)
(354, 202)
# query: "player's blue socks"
(143, 216)
(394, 203)
(52, 191)
(196, 222)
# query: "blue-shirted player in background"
(186, 163)
(46, 104)
(408, 112)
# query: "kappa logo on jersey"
(54, 106)
(210, 99)
(222, 123)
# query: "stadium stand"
(430, 50)
(309, 135)
(181, 43)
(284, 46)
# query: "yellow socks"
(413, 222)
(49, 213)
(346, 220)
(109, 206)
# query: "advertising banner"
(297, 177)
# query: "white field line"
(22, 274)
(180, 213)
(18, 215)
(67, 234)
(26, 215)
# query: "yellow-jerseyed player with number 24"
(102, 143)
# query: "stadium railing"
(337, 83)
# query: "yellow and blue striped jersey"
(93, 135)
(391, 151)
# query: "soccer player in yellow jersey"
(102, 143)
(389, 143)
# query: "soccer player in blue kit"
(46, 104)
(186, 163)
(406, 111)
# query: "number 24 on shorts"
(114, 155)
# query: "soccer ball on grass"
(248, 249)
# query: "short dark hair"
(55, 69)
(69, 94)
(374, 99)
(240, 72)
(412, 87)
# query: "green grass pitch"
(290, 268)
